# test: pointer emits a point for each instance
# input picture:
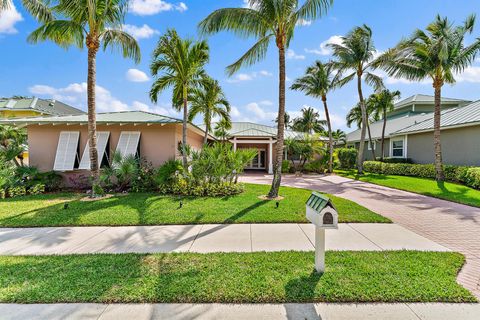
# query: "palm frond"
(256, 53)
(313, 9)
(122, 41)
(65, 33)
(39, 9)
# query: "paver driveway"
(452, 225)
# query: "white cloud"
(470, 74)
(259, 113)
(240, 77)
(143, 32)
(8, 19)
(246, 4)
(304, 23)
(151, 7)
(292, 55)
(323, 49)
(76, 94)
(136, 75)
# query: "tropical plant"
(266, 20)
(304, 149)
(96, 24)
(319, 80)
(287, 121)
(339, 137)
(121, 172)
(438, 53)
(167, 172)
(12, 144)
(355, 56)
(309, 121)
(221, 129)
(355, 116)
(209, 100)
(380, 104)
(178, 63)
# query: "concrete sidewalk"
(323, 311)
(208, 238)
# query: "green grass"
(446, 190)
(275, 277)
(154, 209)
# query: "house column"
(235, 144)
(270, 156)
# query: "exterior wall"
(460, 146)
(157, 143)
(194, 139)
(367, 154)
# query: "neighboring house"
(409, 131)
(60, 143)
(249, 135)
(34, 107)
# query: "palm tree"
(178, 63)
(95, 24)
(381, 103)
(339, 136)
(437, 54)
(356, 52)
(355, 116)
(221, 129)
(5, 5)
(309, 122)
(287, 120)
(266, 20)
(209, 100)
(317, 82)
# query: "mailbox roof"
(317, 201)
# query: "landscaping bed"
(155, 209)
(443, 190)
(274, 277)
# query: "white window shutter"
(128, 143)
(66, 151)
(102, 141)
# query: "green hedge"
(347, 157)
(469, 176)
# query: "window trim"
(404, 146)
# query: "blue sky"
(46, 70)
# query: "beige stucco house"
(409, 131)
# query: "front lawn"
(274, 277)
(446, 190)
(154, 209)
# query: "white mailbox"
(321, 212)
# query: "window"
(67, 151)
(102, 141)
(370, 145)
(397, 148)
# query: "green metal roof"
(44, 106)
(462, 116)
(107, 117)
(255, 130)
(427, 99)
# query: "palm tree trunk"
(383, 132)
(184, 128)
(92, 119)
(205, 138)
(436, 132)
(277, 166)
(372, 146)
(330, 135)
(361, 148)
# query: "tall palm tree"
(209, 100)
(381, 103)
(437, 54)
(339, 137)
(318, 81)
(355, 116)
(287, 121)
(355, 55)
(178, 63)
(309, 122)
(95, 24)
(221, 129)
(266, 20)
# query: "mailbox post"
(321, 212)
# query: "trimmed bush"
(317, 166)
(39, 188)
(469, 176)
(347, 157)
(17, 191)
(286, 166)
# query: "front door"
(259, 162)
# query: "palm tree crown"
(309, 122)
(178, 63)
(209, 100)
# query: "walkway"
(452, 225)
(319, 311)
(207, 238)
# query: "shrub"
(168, 171)
(317, 166)
(347, 157)
(286, 166)
(38, 188)
(146, 178)
(17, 191)
(470, 176)
(2, 194)
(98, 190)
